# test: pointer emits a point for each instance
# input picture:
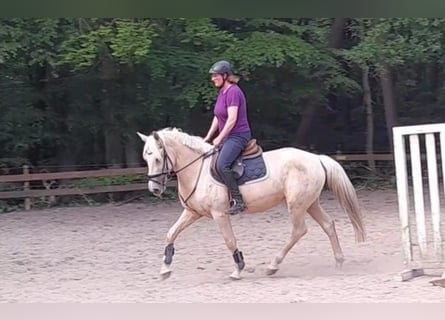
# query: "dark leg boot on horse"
(237, 203)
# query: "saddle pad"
(254, 169)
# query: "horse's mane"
(195, 143)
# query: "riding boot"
(237, 203)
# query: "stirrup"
(236, 207)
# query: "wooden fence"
(24, 180)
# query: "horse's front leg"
(185, 219)
(225, 226)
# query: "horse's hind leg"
(327, 224)
(298, 231)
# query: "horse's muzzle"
(157, 192)
(156, 189)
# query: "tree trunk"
(336, 36)
(132, 156)
(367, 102)
(386, 82)
(128, 92)
(305, 125)
(433, 80)
(335, 42)
(112, 139)
(112, 136)
(66, 152)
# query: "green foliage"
(9, 45)
(202, 35)
(126, 41)
(288, 44)
(274, 49)
(395, 42)
(58, 107)
(22, 130)
(132, 41)
(29, 42)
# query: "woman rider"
(231, 121)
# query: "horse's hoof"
(235, 275)
(270, 271)
(165, 275)
(339, 263)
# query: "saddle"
(251, 151)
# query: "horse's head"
(162, 151)
(160, 165)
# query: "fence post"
(26, 188)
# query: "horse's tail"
(338, 182)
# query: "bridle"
(170, 173)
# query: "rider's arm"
(232, 115)
(212, 130)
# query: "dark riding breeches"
(231, 148)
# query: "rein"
(171, 173)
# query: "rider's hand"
(217, 141)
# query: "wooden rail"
(363, 157)
(72, 174)
(28, 193)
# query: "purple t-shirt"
(234, 96)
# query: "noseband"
(169, 174)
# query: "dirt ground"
(113, 254)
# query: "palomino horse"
(286, 174)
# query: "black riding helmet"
(222, 67)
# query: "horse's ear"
(156, 136)
(142, 136)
